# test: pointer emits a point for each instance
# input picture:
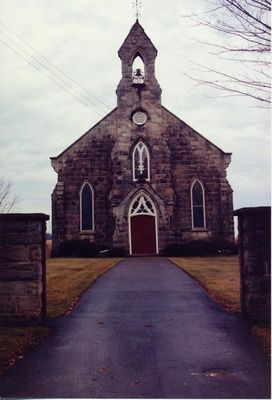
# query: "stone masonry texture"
(254, 224)
(22, 270)
(103, 157)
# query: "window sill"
(199, 230)
(86, 232)
(139, 181)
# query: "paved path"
(145, 329)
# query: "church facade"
(141, 178)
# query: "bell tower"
(138, 86)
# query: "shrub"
(78, 248)
(204, 247)
(226, 247)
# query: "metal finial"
(137, 6)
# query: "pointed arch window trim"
(140, 147)
(142, 205)
(138, 53)
(82, 228)
(194, 207)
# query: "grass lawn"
(220, 277)
(67, 279)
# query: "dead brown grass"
(262, 333)
(218, 275)
(67, 279)
(16, 341)
(221, 278)
(48, 248)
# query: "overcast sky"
(81, 38)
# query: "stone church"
(141, 178)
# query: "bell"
(138, 72)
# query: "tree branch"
(246, 27)
(7, 200)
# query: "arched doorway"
(143, 226)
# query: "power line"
(50, 71)
(38, 69)
(55, 75)
(51, 64)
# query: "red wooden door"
(143, 234)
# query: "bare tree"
(243, 30)
(7, 199)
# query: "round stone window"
(139, 118)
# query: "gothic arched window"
(86, 207)
(198, 205)
(141, 162)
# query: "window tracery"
(142, 205)
(141, 162)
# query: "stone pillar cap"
(252, 210)
(11, 216)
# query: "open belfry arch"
(141, 155)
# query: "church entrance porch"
(143, 237)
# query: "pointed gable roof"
(136, 39)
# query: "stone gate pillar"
(22, 268)
(254, 225)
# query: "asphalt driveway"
(147, 330)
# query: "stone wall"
(22, 272)
(254, 226)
